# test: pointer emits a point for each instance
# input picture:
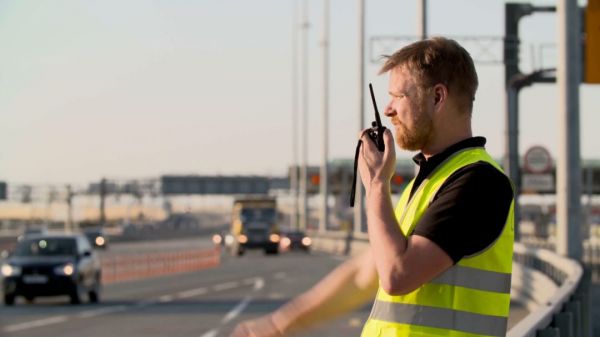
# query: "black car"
(291, 240)
(97, 238)
(52, 265)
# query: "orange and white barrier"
(138, 266)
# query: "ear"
(440, 95)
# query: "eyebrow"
(397, 93)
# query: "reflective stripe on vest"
(471, 298)
(441, 318)
(475, 279)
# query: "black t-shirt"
(470, 209)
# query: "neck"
(446, 134)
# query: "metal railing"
(545, 282)
(563, 311)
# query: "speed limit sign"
(538, 160)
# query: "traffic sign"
(537, 160)
(538, 183)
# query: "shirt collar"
(436, 159)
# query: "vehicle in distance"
(97, 237)
(52, 265)
(295, 240)
(33, 230)
(220, 239)
(254, 226)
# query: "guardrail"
(544, 282)
(549, 284)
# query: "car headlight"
(66, 269)
(217, 239)
(10, 270)
(274, 237)
(306, 241)
(100, 241)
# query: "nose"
(389, 110)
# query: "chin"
(407, 144)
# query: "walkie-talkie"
(376, 132)
(376, 135)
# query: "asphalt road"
(207, 303)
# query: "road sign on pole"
(537, 160)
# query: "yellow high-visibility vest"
(471, 298)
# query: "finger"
(368, 143)
(362, 133)
(242, 330)
(388, 140)
(236, 333)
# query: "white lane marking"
(225, 286)
(211, 333)
(233, 313)
(192, 293)
(259, 283)
(249, 281)
(165, 298)
(35, 324)
(101, 311)
(280, 276)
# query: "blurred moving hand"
(260, 327)
(348, 287)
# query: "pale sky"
(127, 89)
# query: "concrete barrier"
(340, 243)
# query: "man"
(440, 263)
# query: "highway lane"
(207, 303)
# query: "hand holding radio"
(376, 135)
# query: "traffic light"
(399, 181)
(315, 179)
(592, 42)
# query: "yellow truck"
(254, 225)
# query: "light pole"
(359, 212)
(304, 136)
(422, 19)
(294, 170)
(324, 169)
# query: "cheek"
(406, 114)
(401, 111)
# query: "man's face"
(409, 110)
